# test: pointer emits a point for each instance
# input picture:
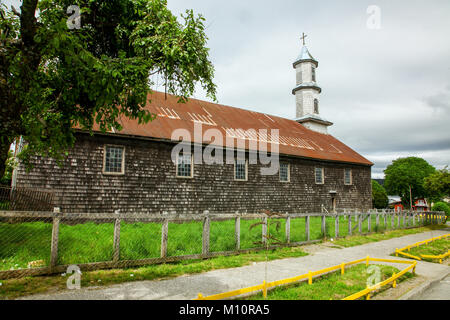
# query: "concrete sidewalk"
(213, 282)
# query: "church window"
(313, 74)
(319, 176)
(316, 106)
(348, 177)
(185, 167)
(240, 170)
(285, 175)
(114, 160)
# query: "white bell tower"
(307, 92)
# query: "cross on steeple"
(303, 37)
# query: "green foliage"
(442, 206)
(437, 184)
(404, 173)
(56, 79)
(10, 165)
(379, 196)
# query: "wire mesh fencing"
(36, 243)
(18, 198)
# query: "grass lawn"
(23, 243)
(14, 288)
(332, 286)
(434, 248)
(357, 240)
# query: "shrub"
(442, 206)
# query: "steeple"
(307, 92)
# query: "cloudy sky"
(387, 90)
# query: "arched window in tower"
(313, 74)
(316, 106)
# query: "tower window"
(316, 106)
(313, 74)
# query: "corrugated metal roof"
(237, 124)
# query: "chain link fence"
(36, 243)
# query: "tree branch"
(14, 10)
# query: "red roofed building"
(223, 167)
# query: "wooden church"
(134, 170)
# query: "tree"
(404, 173)
(379, 196)
(55, 78)
(10, 165)
(437, 185)
(442, 206)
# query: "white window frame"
(192, 168)
(122, 172)
(246, 170)
(351, 177)
(323, 175)
(288, 173)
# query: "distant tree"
(404, 173)
(442, 206)
(437, 185)
(57, 74)
(379, 196)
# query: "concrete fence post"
(206, 233)
(385, 220)
(264, 231)
(54, 244)
(307, 219)
(377, 221)
(116, 241)
(324, 226)
(369, 222)
(336, 227)
(360, 218)
(349, 225)
(164, 237)
(237, 232)
(288, 229)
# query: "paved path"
(439, 291)
(217, 281)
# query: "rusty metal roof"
(236, 124)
